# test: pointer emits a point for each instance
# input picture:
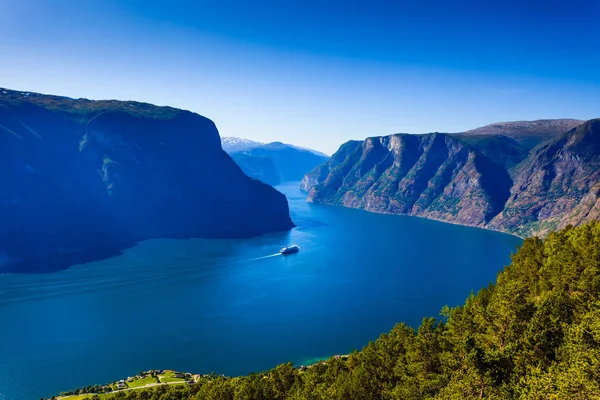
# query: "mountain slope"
(557, 185)
(509, 143)
(84, 179)
(435, 176)
(528, 133)
(232, 144)
(261, 168)
(290, 162)
(489, 178)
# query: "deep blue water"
(234, 306)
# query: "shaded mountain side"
(85, 177)
(486, 180)
(435, 176)
(557, 185)
(509, 143)
(290, 162)
(503, 150)
(261, 168)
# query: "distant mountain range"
(526, 177)
(274, 162)
(233, 144)
(85, 179)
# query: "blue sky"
(314, 73)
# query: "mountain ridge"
(273, 162)
(232, 144)
(470, 179)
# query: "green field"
(169, 376)
(85, 396)
(141, 382)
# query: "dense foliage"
(535, 334)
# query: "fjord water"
(236, 306)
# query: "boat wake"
(263, 257)
(103, 278)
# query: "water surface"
(235, 306)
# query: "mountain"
(272, 162)
(290, 162)
(559, 184)
(509, 143)
(233, 144)
(236, 144)
(435, 176)
(316, 152)
(510, 180)
(257, 167)
(85, 179)
(529, 133)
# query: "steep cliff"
(557, 185)
(261, 168)
(83, 179)
(509, 180)
(435, 176)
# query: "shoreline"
(193, 378)
(152, 378)
(426, 218)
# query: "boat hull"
(290, 251)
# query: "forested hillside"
(534, 334)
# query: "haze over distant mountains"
(233, 144)
(526, 177)
(274, 162)
(84, 179)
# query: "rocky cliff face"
(557, 185)
(494, 180)
(83, 179)
(435, 176)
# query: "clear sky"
(314, 73)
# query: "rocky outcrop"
(504, 181)
(84, 179)
(435, 176)
(557, 185)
